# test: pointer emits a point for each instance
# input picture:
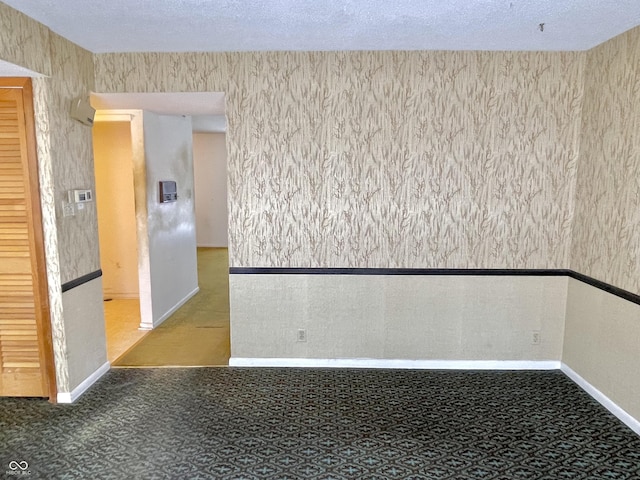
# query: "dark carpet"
(226, 423)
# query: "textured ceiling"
(255, 25)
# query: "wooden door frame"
(36, 233)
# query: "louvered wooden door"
(25, 342)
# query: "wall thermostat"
(80, 196)
(168, 191)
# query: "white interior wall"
(210, 175)
(116, 208)
(170, 227)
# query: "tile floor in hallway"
(122, 319)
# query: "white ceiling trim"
(206, 109)
(170, 103)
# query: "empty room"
(433, 239)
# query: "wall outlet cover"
(302, 335)
(535, 337)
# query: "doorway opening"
(194, 329)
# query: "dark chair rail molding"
(81, 280)
(619, 292)
(400, 271)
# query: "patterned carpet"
(226, 423)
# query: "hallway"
(195, 335)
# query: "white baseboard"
(623, 416)
(402, 364)
(171, 311)
(70, 397)
(605, 401)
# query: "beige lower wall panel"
(265, 311)
(602, 343)
(345, 316)
(85, 331)
(474, 318)
(397, 317)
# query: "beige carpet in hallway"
(198, 333)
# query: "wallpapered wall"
(64, 160)
(416, 159)
(23, 41)
(387, 159)
(72, 158)
(64, 145)
(606, 243)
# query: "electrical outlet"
(302, 335)
(535, 337)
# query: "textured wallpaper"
(65, 150)
(374, 159)
(23, 41)
(72, 158)
(606, 242)
(41, 96)
(387, 159)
